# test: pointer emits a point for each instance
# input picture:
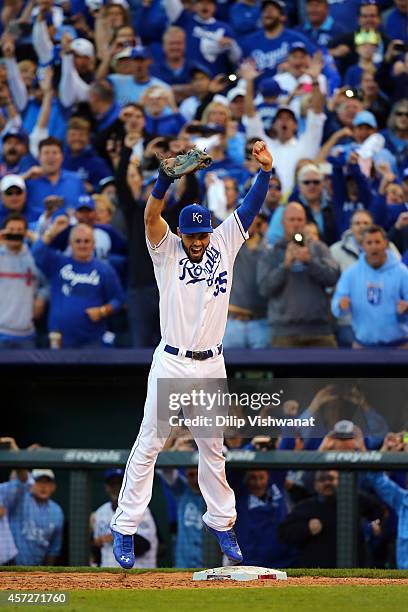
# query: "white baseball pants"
(136, 490)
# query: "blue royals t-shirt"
(200, 38)
(268, 53)
(76, 286)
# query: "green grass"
(329, 573)
(339, 598)
(296, 599)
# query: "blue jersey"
(87, 165)
(36, 526)
(168, 124)
(162, 71)
(25, 163)
(268, 53)
(128, 90)
(76, 286)
(396, 25)
(201, 37)
(257, 525)
(69, 186)
(324, 34)
(244, 19)
(150, 21)
(345, 13)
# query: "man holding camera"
(20, 299)
(294, 275)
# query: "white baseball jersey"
(147, 529)
(194, 297)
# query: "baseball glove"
(185, 163)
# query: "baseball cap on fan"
(233, 93)
(270, 88)
(138, 52)
(82, 47)
(113, 473)
(344, 430)
(12, 180)
(298, 45)
(365, 118)
(279, 3)
(42, 473)
(85, 201)
(195, 219)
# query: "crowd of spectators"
(92, 92)
(285, 518)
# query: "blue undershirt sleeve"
(254, 199)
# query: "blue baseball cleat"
(228, 543)
(123, 549)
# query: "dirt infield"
(155, 580)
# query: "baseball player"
(193, 272)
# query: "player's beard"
(271, 24)
(192, 257)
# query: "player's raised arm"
(257, 194)
(170, 169)
(155, 225)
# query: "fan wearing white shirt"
(287, 147)
(296, 80)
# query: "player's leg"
(218, 495)
(136, 490)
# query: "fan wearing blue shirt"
(110, 245)
(173, 67)
(52, 179)
(269, 47)
(84, 290)
(244, 16)
(36, 521)
(80, 156)
(261, 507)
(320, 27)
(375, 292)
(209, 41)
(131, 87)
(396, 21)
(15, 155)
(104, 108)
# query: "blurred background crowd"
(92, 92)
(286, 518)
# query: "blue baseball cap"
(405, 174)
(113, 473)
(85, 201)
(365, 118)
(195, 219)
(298, 45)
(271, 87)
(16, 133)
(198, 67)
(279, 3)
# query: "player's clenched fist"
(262, 155)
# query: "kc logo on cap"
(194, 219)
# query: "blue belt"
(198, 355)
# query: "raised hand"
(248, 70)
(262, 155)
